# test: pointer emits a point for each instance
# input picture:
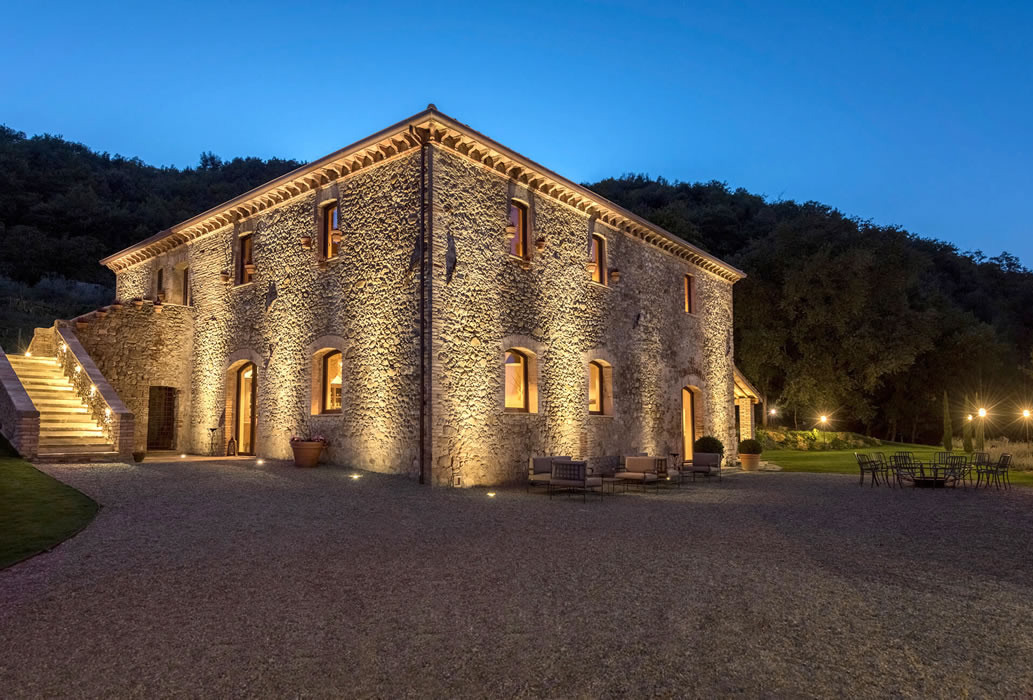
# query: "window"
(246, 271)
(331, 235)
(690, 294)
(596, 388)
(597, 258)
(518, 220)
(516, 382)
(332, 379)
(161, 284)
(186, 287)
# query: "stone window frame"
(689, 297)
(693, 383)
(531, 350)
(523, 233)
(317, 352)
(325, 236)
(159, 283)
(600, 265)
(242, 275)
(604, 360)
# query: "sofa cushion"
(640, 464)
(635, 476)
(542, 478)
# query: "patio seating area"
(645, 472)
(943, 470)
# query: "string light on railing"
(107, 413)
(78, 369)
(63, 347)
(93, 389)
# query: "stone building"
(432, 303)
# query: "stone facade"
(480, 302)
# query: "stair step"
(73, 431)
(39, 370)
(72, 422)
(35, 360)
(108, 455)
(45, 389)
(77, 441)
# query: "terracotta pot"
(138, 303)
(117, 306)
(158, 306)
(306, 453)
(749, 462)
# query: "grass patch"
(843, 462)
(37, 511)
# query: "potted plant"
(137, 302)
(139, 455)
(707, 452)
(307, 450)
(749, 454)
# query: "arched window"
(596, 388)
(517, 390)
(597, 258)
(331, 381)
(331, 234)
(518, 220)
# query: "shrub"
(708, 444)
(750, 447)
(138, 456)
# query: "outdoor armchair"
(570, 475)
(540, 470)
(867, 466)
(639, 470)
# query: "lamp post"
(981, 430)
(824, 433)
(1025, 423)
(774, 414)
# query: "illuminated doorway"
(688, 422)
(245, 408)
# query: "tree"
(948, 431)
(966, 430)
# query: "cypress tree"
(966, 436)
(948, 430)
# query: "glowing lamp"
(355, 476)
(261, 462)
(183, 456)
(491, 494)
(982, 413)
(824, 419)
(28, 354)
(773, 412)
(78, 369)
(63, 347)
(1025, 413)
(107, 413)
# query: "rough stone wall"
(137, 348)
(137, 282)
(366, 299)
(552, 309)
(19, 419)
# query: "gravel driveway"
(228, 579)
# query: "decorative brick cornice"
(429, 126)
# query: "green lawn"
(843, 462)
(36, 511)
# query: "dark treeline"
(869, 324)
(64, 207)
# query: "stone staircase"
(67, 431)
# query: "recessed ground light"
(261, 461)
(183, 456)
(491, 494)
(28, 354)
(356, 476)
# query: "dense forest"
(868, 324)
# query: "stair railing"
(99, 396)
(19, 419)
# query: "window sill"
(600, 415)
(243, 284)
(516, 412)
(523, 262)
(599, 284)
(326, 414)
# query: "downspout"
(423, 306)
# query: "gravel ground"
(226, 579)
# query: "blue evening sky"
(909, 113)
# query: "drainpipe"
(423, 306)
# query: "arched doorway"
(688, 422)
(244, 408)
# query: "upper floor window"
(690, 294)
(597, 258)
(596, 388)
(246, 259)
(518, 222)
(161, 284)
(332, 382)
(331, 234)
(185, 292)
(516, 382)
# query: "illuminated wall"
(637, 324)
(483, 302)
